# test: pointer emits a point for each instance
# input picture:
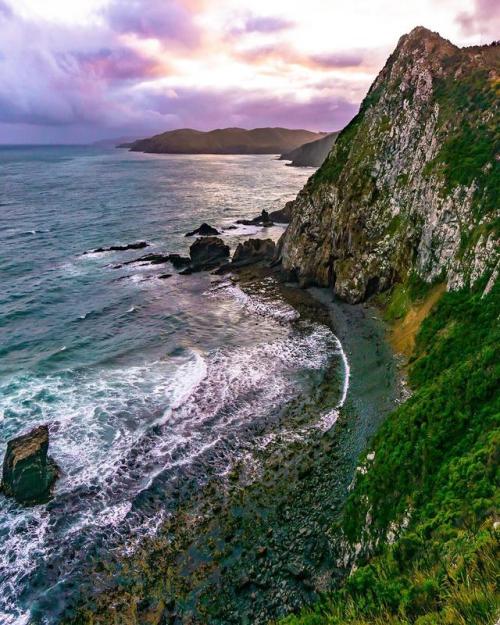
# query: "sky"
(76, 71)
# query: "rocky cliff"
(412, 182)
(311, 154)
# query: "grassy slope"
(436, 463)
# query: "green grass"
(436, 461)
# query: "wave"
(261, 304)
(122, 436)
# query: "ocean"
(149, 385)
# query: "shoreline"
(257, 548)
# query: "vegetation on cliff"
(412, 182)
(419, 523)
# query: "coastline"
(262, 544)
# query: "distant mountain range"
(311, 154)
(225, 141)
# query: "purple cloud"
(5, 10)
(338, 59)
(169, 20)
(204, 110)
(270, 24)
(484, 19)
(116, 64)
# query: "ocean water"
(149, 385)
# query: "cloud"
(483, 20)
(5, 10)
(366, 60)
(337, 60)
(207, 109)
(263, 24)
(119, 64)
(166, 20)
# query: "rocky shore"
(260, 542)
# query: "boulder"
(253, 251)
(207, 253)
(28, 472)
(205, 230)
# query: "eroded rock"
(208, 253)
(205, 230)
(253, 250)
(28, 472)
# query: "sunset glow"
(87, 69)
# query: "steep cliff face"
(411, 184)
(311, 154)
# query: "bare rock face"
(28, 472)
(411, 185)
(207, 253)
(253, 250)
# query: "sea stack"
(28, 472)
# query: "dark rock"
(205, 230)
(120, 248)
(284, 215)
(164, 276)
(262, 219)
(247, 222)
(28, 472)
(208, 253)
(154, 259)
(178, 261)
(253, 250)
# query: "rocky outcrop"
(253, 251)
(28, 472)
(120, 248)
(311, 154)
(283, 215)
(411, 185)
(158, 258)
(205, 230)
(208, 253)
(263, 219)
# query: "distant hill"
(312, 153)
(226, 141)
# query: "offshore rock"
(28, 472)
(205, 230)
(120, 248)
(207, 253)
(411, 184)
(253, 250)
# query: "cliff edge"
(412, 182)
